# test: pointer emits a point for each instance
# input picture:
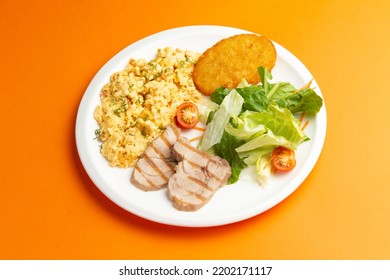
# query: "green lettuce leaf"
(253, 95)
(245, 127)
(283, 123)
(263, 140)
(287, 96)
(226, 149)
(230, 106)
(257, 97)
(264, 75)
(274, 126)
(251, 157)
(219, 94)
(263, 168)
(254, 98)
(280, 90)
(305, 100)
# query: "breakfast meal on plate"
(140, 101)
(232, 59)
(247, 121)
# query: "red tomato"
(283, 159)
(187, 115)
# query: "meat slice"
(155, 167)
(198, 176)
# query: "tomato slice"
(283, 159)
(187, 115)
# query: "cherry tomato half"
(283, 159)
(187, 115)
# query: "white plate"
(231, 203)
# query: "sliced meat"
(217, 167)
(198, 176)
(155, 167)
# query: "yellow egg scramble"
(140, 101)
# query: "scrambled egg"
(140, 101)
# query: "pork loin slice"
(198, 176)
(156, 165)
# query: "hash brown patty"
(232, 59)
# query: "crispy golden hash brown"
(232, 59)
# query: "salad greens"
(226, 149)
(277, 124)
(252, 120)
(258, 97)
(230, 106)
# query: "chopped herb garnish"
(122, 108)
(143, 132)
(190, 61)
(97, 134)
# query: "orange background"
(50, 209)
